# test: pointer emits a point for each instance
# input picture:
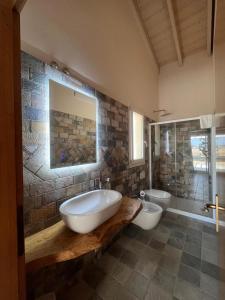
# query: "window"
(136, 138)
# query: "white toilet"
(159, 197)
(149, 216)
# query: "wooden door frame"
(12, 261)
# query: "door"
(11, 230)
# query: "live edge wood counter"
(58, 243)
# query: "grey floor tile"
(171, 251)
(165, 280)
(211, 229)
(192, 248)
(210, 256)
(137, 285)
(93, 275)
(168, 224)
(176, 242)
(136, 247)
(186, 291)
(206, 296)
(194, 235)
(178, 234)
(157, 245)
(79, 291)
(195, 225)
(146, 267)
(191, 261)
(116, 250)
(212, 286)
(121, 272)
(151, 255)
(210, 241)
(129, 258)
(156, 292)
(160, 235)
(124, 294)
(184, 221)
(179, 228)
(213, 270)
(171, 216)
(163, 229)
(170, 264)
(107, 288)
(131, 230)
(189, 274)
(144, 236)
(107, 263)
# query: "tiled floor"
(177, 260)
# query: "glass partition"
(181, 154)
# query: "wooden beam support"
(174, 31)
(209, 26)
(144, 29)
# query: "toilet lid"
(157, 193)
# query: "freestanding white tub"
(85, 212)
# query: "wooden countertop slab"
(58, 243)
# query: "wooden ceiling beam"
(144, 29)
(174, 31)
(209, 26)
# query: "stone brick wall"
(44, 188)
(73, 140)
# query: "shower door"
(193, 167)
(220, 168)
(181, 164)
(163, 154)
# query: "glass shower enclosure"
(180, 156)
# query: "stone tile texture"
(133, 270)
(45, 188)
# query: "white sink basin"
(85, 212)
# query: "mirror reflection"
(72, 127)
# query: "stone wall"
(72, 140)
(44, 188)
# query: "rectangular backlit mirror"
(72, 127)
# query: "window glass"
(137, 137)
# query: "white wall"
(219, 59)
(99, 40)
(187, 91)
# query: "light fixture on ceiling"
(163, 111)
(54, 65)
(66, 71)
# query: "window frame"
(135, 162)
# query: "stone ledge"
(57, 243)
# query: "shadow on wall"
(44, 188)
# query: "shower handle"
(217, 208)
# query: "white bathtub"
(85, 212)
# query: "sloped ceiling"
(176, 28)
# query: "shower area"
(180, 156)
